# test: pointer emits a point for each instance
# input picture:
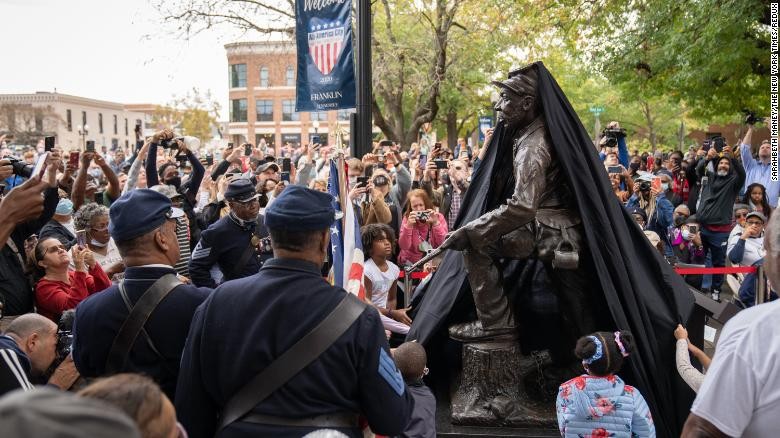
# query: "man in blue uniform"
(248, 323)
(143, 225)
(236, 243)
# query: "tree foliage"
(27, 123)
(194, 114)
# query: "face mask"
(64, 207)
(665, 186)
(175, 181)
(687, 235)
(352, 181)
(94, 242)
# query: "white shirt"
(381, 282)
(741, 391)
(111, 257)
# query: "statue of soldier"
(540, 220)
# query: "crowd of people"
(707, 206)
(110, 260)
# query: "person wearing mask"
(353, 374)
(756, 198)
(634, 167)
(667, 185)
(27, 350)
(59, 288)
(93, 219)
(61, 225)
(237, 243)
(143, 222)
(169, 174)
(759, 170)
(687, 246)
(725, 177)
(423, 229)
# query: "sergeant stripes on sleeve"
(12, 362)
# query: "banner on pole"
(326, 70)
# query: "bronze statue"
(540, 220)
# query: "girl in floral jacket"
(599, 404)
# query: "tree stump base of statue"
(499, 386)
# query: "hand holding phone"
(81, 238)
(48, 144)
(90, 146)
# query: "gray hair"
(82, 220)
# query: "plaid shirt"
(454, 209)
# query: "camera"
(65, 334)
(20, 168)
(381, 180)
(751, 118)
(171, 144)
(644, 186)
(423, 216)
(612, 135)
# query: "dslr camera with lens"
(644, 186)
(20, 168)
(612, 135)
(751, 118)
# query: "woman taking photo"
(422, 229)
(93, 218)
(59, 288)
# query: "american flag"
(345, 245)
(325, 43)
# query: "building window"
(100, 122)
(269, 139)
(114, 144)
(343, 115)
(265, 110)
(238, 75)
(289, 76)
(116, 126)
(264, 77)
(288, 111)
(39, 122)
(83, 119)
(293, 139)
(319, 115)
(69, 120)
(127, 131)
(238, 110)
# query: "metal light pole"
(362, 135)
(83, 131)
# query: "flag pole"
(340, 165)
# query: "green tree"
(194, 114)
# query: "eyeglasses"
(55, 249)
(755, 223)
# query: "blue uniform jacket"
(99, 317)
(222, 244)
(248, 323)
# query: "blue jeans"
(715, 246)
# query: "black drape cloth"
(641, 291)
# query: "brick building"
(261, 78)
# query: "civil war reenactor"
(237, 244)
(283, 353)
(140, 324)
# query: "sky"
(114, 50)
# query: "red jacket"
(54, 297)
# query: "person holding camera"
(422, 229)
(658, 209)
(725, 178)
(687, 246)
(59, 288)
(169, 174)
(84, 191)
(369, 200)
(23, 211)
(613, 137)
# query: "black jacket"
(719, 192)
(247, 323)
(16, 291)
(58, 231)
(99, 317)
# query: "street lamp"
(83, 131)
(316, 125)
